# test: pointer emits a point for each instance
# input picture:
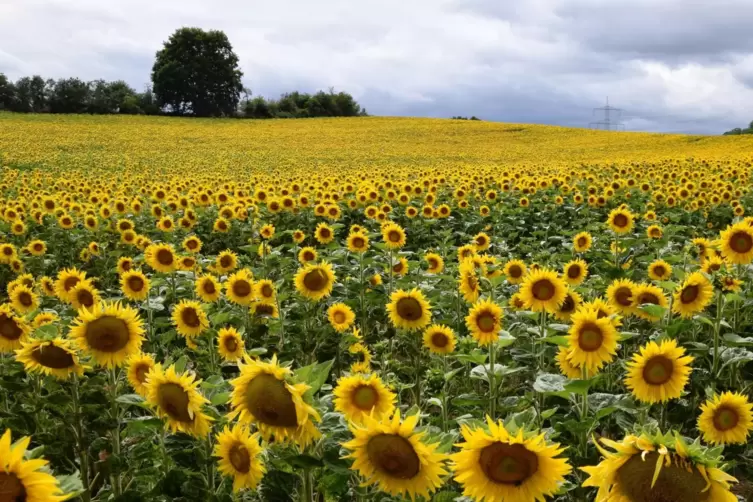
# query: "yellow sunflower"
(161, 257)
(265, 310)
(358, 396)
(50, 357)
(66, 281)
(298, 236)
(139, 366)
(176, 398)
(592, 339)
(621, 296)
(737, 243)
(84, 295)
(400, 267)
(654, 232)
(340, 316)
(37, 247)
(543, 290)
(659, 372)
(439, 339)
(484, 321)
(23, 480)
(262, 396)
(192, 244)
(574, 272)
(409, 310)
(189, 319)
(47, 286)
(660, 270)
(226, 261)
(110, 332)
(516, 302)
(727, 418)
(434, 262)
(572, 302)
(307, 254)
(44, 318)
(481, 241)
(324, 234)
(125, 264)
(315, 281)
(358, 242)
(468, 283)
(656, 468)
(265, 292)
(496, 466)
(239, 288)
(730, 283)
(208, 288)
(712, 264)
(693, 296)
(582, 242)
(230, 344)
(515, 271)
(466, 251)
(240, 457)
(390, 454)
(621, 220)
(267, 231)
(23, 299)
(135, 285)
(567, 368)
(13, 330)
(393, 235)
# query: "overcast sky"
(671, 65)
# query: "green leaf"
(578, 386)
(314, 375)
(562, 341)
(505, 339)
(258, 351)
(549, 383)
(220, 318)
(653, 310)
(451, 374)
(220, 398)
(558, 327)
(434, 402)
(476, 357)
(130, 399)
(305, 461)
(549, 413)
(180, 364)
(70, 485)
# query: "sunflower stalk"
(364, 323)
(81, 446)
(116, 479)
(717, 329)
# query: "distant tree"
(68, 95)
(31, 95)
(148, 102)
(7, 93)
(197, 73)
(737, 130)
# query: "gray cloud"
(672, 65)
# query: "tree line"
(737, 130)
(196, 73)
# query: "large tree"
(197, 73)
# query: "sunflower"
(726, 419)
(621, 220)
(340, 316)
(189, 319)
(50, 357)
(267, 231)
(654, 232)
(23, 299)
(135, 285)
(659, 372)
(592, 340)
(409, 310)
(139, 366)
(230, 344)
(192, 244)
(468, 283)
(47, 286)
(516, 302)
(239, 288)
(110, 332)
(125, 264)
(702, 247)
(582, 242)
(542, 290)
(660, 270)
(226, 261)
(265, 291)
(567, 368)
(390, 454)
(44, 318)
(737, 243)
(177, 399)
(324, 234)
(515, 271)
(315, 281)
(240, 457)
(712, 264)
(307, 254)
(655, 469)
(648, 294)
(484, 321)
(434, 262)
(481, 241)
(693, 296)
(393, 236)
(572, 302)
(84, 295)
(221, 225)
(400, 267)
(730, 283)
(621, 295)
(358, 242)
(22, 480)
(262, 396)
(497, 466)
(439, 339)
(208, 288)
(358, 396)
(375, 280)
(161, 257)
(37, 247)
(66, 281)
(298, 236)
(264, 310)
(575, 271)
(467, 251)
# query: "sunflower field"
(372, 309)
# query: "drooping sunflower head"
(340, 317)
(239, 288)
(22, 479)
(737, 243)
(358, 396)
(110, 332)
(543, 290)
(693, 295)
(658, 372)
(567, 368)
(515, 271)
(660, 270)
(262, 396)
(593, 340)
(575, 271)
(135, 285)
(621, 295)
(176, 398)
(47, 286)
(190, 319)
(657, 468)
(572, 302)
(582, 242)
(726, 418)
(484, 321)
(409, 310)
(439, 339)
(240, 457)
(55, 357)
(139, 366)
(208, 288)
(621, 220)
(264, 310)
(161, 257)
(230, 344)
(468, 282)
(44, 318)
(390, 454)
(495, 464)
(315, 281)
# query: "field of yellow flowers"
(372, 309)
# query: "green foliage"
(737, 130)
(300, 105)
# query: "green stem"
(83, 451)
(717, 329)
(445, 412)
(419, 369)
(492, 383)
(116, 480)
(210, 464)
(389, 292)
(364, 322)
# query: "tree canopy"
(197, 73)
(737, 130)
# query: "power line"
(608, 124)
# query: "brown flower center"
(270, 401)
(658, 370)
(226, 261)
(726, 418)
(11, 488)
(648, 298)
(515, 271)
(267, 291)
(190, 317)
(165, 257)
(141, 372)
(107, 334)
(208, 287)
(70, 283)
(620, 220)
(135, 283)
(486, 321)
(85, 298)
(240, 458)
(409, 309)
(590, 337)
(231, 344)
(393, 455)
(315, 280)
(660, 271)
(173, 399)
(241, 288)
(339, 317)
(508, 464)
(568, 305)
(741, 242)
(52, 356)
(543, 290)
(394, 236)
(365, 397)
(573, 272)
(25, 299)
(9, 328)
(439, 340)
(624, 296)
(358, 242)
(689, 293)
(675, 482)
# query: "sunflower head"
(190, 319)
(315, 281)
(208, 288)
(648, 294)
(340, 316)
(409, 310)
(139, 366)
(726, 418)
(660, 270)
(543, 290)
(240, 457)
(582, 242)
(176, 398)
(230, 344)
(621, 220)
(659, 372)
(55, 357)
(737, 243)
(23, 479)
(358, 396)
(575, 271)
(693, 295)
(110, 332)
(239, 288)
(358, 242)
(621, 295)
(434, 263)
(592, 340)
(161, 257)
(484, 321)
(439, 339)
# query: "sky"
(669, 65)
